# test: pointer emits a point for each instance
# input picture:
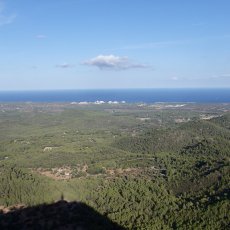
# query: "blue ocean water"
(128, 95)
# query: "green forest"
(151, 166)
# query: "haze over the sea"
(114, 96)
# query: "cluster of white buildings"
(97, 102)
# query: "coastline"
(180, 95)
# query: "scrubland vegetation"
(144, 166)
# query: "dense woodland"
(143, 166)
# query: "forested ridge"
(145, 175)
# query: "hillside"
(142, 167)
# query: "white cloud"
(64, 65)
(113, 62)
(175, 78)
(40, 36)
(4, 17)
(221, 76)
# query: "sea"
(198, 95)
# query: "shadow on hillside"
(59, 215)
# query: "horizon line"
(147, 88)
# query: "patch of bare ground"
(67, 172)
(62, 173)
(126, 171)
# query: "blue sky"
(79, 44)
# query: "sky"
(96, 44)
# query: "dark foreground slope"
(59, 215)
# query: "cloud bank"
(113, 62)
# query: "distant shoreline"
(179, 95)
